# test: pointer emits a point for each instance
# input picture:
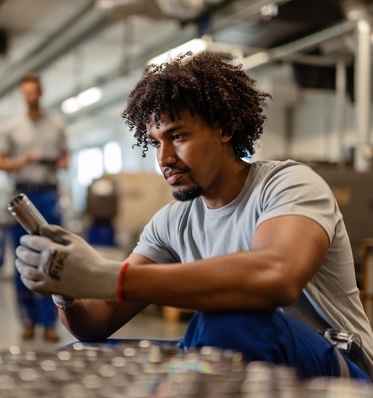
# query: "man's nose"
(166, 155)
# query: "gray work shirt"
(45, 135)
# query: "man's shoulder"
(289, 174)
(276, 164)
(14, 123)
(272, 167)
(283, 173)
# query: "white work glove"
(63, 302)
(69, 269)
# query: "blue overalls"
(34, 308)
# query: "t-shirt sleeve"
(298, 190)
(154, 242)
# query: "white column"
(363, 72)
(340, 109)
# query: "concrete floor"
(149, 325)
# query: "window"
(90, 165)
(112, 157)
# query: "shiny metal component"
(26, 214)
(343, 339)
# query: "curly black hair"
(207, 84)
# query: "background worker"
(241, 241)
(32, 149)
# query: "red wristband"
(121, 281)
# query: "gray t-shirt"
(45, 135)
(188, 231)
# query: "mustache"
(168, 171)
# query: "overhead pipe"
(248, 10)
(34, 50)
(290, 50)
(68, 37)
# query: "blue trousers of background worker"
(34, 308)
(267, 336)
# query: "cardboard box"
(140, 196)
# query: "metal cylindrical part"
(26, 214)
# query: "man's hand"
(72, 268)
(32, 156)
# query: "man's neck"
(34, 113)
(234, 181)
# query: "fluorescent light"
(82, 100)
(70, 105)
(195, 46)
(89, 97)
(255, 60)
(107, 4)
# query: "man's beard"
(188, 194)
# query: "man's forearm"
(7, 164)
(241, 281)
(84, 319)
(93, 320)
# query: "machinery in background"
(101, 209)
(118, 206)
(354, 194)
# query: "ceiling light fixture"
(195, 46)
(269, 11)
(82, 100)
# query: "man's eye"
(153, 143)
(177, 137)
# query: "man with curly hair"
(242, 244)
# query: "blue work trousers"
(268, 336)
(34, 308)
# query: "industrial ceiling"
(76, 44)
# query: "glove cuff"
(63, 302)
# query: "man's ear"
(225, 137)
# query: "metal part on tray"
(144, 369)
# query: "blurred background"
(313, 56)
